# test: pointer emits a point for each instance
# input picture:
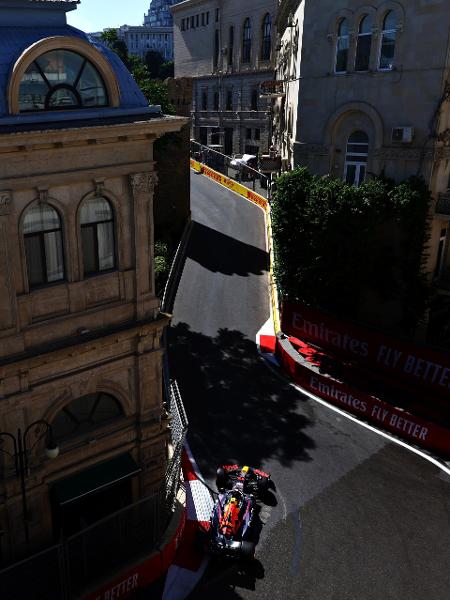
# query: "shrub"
(337, 245)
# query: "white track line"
(441, 465)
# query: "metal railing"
(62, 571)
(246, 175)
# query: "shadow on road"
(221, 253)
(225, 579)
(238, 411)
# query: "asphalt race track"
(355, 516)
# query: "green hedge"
(336, 245)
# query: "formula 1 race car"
(246, 479)
(233, 531)
(230, 532)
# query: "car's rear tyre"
(263, 485)
(248, 550)
(221, 479)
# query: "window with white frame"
(356, 158)
(97, 236)
(43, 245)
(363, 45)
(387, 47)
(342, 46)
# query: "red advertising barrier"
(396, 420)
(414, 364)
(141, 576)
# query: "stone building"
(142, 39)
(229, 52)
(366, 91)
(80, 327)
(158, 14)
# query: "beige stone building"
(228, 50)
(80, 327)
(366, 91)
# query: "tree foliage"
(336, 244)
(153, 89)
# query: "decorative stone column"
(143, 186)
(8, 308)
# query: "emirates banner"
(403, 424)
(414, 364)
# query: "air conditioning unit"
(403, 135)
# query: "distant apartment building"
(365, 92)
(228, 50)
(141, 39)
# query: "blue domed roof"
(15, 40)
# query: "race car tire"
(263, 485)
(248, 550)
(221, 479)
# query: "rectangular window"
(203, 19)
(204, 99)
(248, 133)
(254, 100)
(216, 48)
(217, 15)
(187, 23)
(387, 51)
(230, 46)
(229, 101)
(207, 18)
(197, 20)
(342, 54)
(192, 22)
(89, 241)
(216, 100)
(363, 52)
(257, 134)
(35, 260)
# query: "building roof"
(14, 40)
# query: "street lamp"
(21, 454)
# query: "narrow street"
(354, 515)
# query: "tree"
(344, 248)
(166, 70)
(154, 60)
(111, 39)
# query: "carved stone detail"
(5, 202)
(99, 187)
(144, 182)
(43, 195)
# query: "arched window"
(61, 80)
(342, 45)
(43, 245)
(356, 158)
(266, 37)
(97, 236)
(84, 415)
(247, 41)
(387, 49)
(363, 45)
